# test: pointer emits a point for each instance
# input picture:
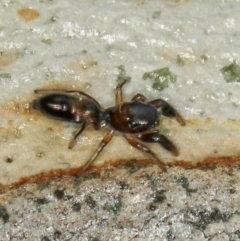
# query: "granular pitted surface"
(131, 202)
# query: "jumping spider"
(136, 120)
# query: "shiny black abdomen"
(56, 105)
(132, 117)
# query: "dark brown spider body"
(57, 106)
(132, 117)
(65, 107)
(136, 119)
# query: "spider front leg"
(132, 141)
(46, 91)
(78, 133)
(167, 110)
(107, 138)
(77, 92)
(155, 137)
(119, 90)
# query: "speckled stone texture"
(86, 46)
(132, 202)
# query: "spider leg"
(139, 97)
(119, 90)
(45, 91)
(78, 133)
(107, 138)
(152, 137)
(132, 141)
(81, 93)
(167, 110)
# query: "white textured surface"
(143, 36)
